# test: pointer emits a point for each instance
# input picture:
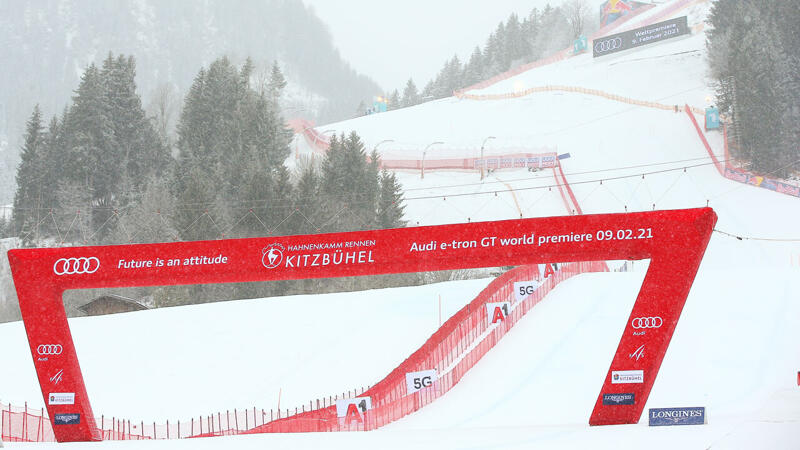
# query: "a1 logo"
(352, 409)
(497, 312)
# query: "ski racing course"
(734, 350)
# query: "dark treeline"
(512, 44)
(754, 54)
(100, 173)
(45, 45)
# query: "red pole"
(40, 428)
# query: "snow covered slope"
(175, 363)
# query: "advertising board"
(638, 37)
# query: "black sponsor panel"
(660, 417)
(640, 36)
(618, 399)
(66, 419)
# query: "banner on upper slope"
(674, 241)
(638, 37)
(761, 181)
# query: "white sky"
(391, 40)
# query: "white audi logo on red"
(608, 45)
(49, 349)
(75, 266)
(647, 322)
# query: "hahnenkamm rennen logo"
(272, 255)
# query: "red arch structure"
(674, 241)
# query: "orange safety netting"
(454, 349)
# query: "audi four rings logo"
(49, 349)
(74, 266)
(647, 322)
(611, 44)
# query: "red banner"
(674, 241)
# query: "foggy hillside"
(45, 45)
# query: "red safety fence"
(510, 158)
(567, 195)
(731, 172)
(21, 424)
(454, 349)
(504, 161)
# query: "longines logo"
(619, 399)
(272, 255)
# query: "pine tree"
(530, 35)
(493, 54)
(454, 77)
(473, 72)
(349, 185)
(394, 100)
(514, 42)
(390, 202)
(91, 159)
(307, 201)
(30, 182)
(555, 33)
(138, 149)
(233, 144)
(277, 82)
(208, 135)
(427, 91)
(410, 94)
(361, 109)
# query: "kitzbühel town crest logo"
(272, 256)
